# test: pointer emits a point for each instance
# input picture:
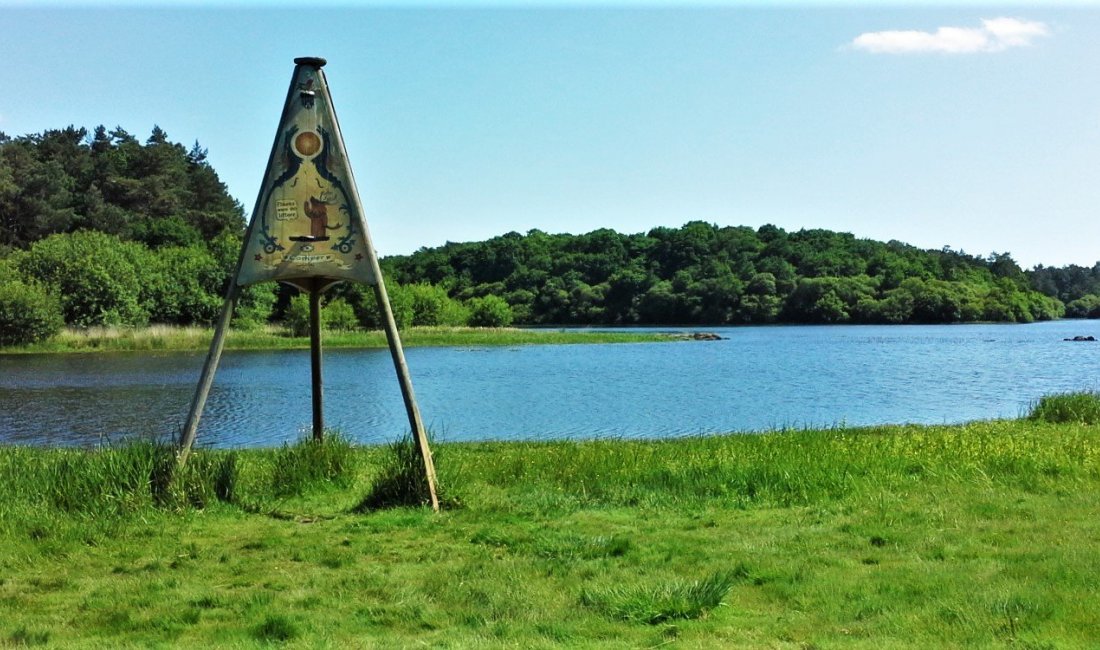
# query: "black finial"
(314, 61)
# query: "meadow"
(975, 535)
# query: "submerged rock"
(1081, 338)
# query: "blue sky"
(972, 126)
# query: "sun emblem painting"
(307, 223)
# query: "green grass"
(1082, 408)
(977, 535)
(163, 337)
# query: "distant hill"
(705, 274)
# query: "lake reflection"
(759, 378)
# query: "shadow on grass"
(402, 480)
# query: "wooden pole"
(315, 361)
(206, 379)
(420, 435)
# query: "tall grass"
(664, 601)
(114, 480)
(274, 337)
(781, 469)
(401, 479)
(309, 463)
(1077, 408)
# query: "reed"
(310, 463)
(401, 479)
(1078, 408)
(273, 337)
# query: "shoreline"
(162, 338)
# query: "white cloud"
(995, 35)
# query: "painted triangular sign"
(307, 223)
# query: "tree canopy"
(701, 273)
(100, 228)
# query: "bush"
(28, 313)
(181, 286)
(432, 306)
(1087, 306)
(94, 274)
(489, 311)
(254, 306)
(339, 316)
(1076, 408)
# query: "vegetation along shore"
(274, 337)
(101, 229)
(977, 535)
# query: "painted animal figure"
(317, 211)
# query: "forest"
(99, 228)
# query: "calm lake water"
(759, 378)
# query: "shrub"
(181, 286)
(1077, 408)
(297, 315)
(489, 311)
(254, 306)
(339, 316)
(95, 275)
(28, 313)
(1087, 306)
(432, 306)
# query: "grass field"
(165, 337)
(978, 535)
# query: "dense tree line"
(702, 273)
(102, 229)
(1077, 286)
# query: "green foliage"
(431, 306)
(28, 313)
(297, 315)
(254, 306)
(489, 311)
(337, 316)
(701, 273)
(158, 193)
(181, 285)
(96, 275)
(1087, 306)
(309, 462)
(158, 196)
(1077, 408)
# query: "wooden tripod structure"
(308, 230)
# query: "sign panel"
(307, 222)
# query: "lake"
(759, 378)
